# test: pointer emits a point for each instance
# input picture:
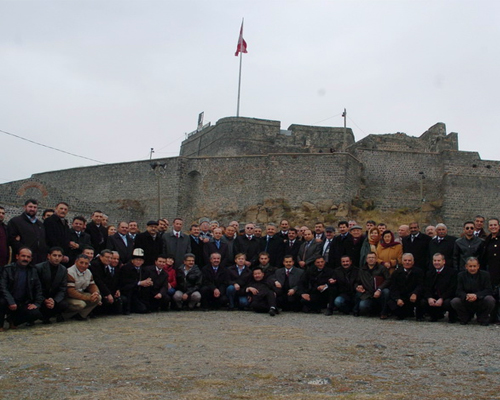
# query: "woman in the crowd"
(389, 252)
(369, 245)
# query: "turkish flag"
(242, 45)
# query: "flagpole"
(239, 87)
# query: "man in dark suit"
(156, 296)
(214, 283)
(150, 242)
(287, 285)
(239, 276)
(272, 244)
(309, 250)
(474, 294)
(132, 279)
(176, 242)
(291, 246)
(440, 284)
(406, 288)
(261, 296)
(54, 280)
(106, 279)
(27, 230)
(248, 244)
(97, 231)
(417, 244)
(216, 246)
(78, 239)
(121, 242)
(316, 286)
(479, 227)
(197, 245)
(442, 243)
(341, 243)
(20, 291)
(57, 230)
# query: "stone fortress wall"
(251, 170)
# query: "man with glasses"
(469, 245)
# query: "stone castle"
(251, 170)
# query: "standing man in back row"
(176, 242)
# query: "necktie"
(217, 243)
(287, 273)
(112, 271)
(177, 235)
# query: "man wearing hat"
(133, 280)
(150, 242)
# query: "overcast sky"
(108, 80)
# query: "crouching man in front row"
(261, 296)
(82, 295)
(474, 294)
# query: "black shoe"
(464, 322)
(328, 312)
(59, 318)
(272, 311)
(484, 323)
(420, 319)
(46, 321)
(78, 317)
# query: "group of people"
(61, 271)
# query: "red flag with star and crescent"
(242, 45)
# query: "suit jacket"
(82, 240)
(212, 280)
(308, 253)
(242, 280)
(403, 285)
(98, 236)
(160, 282)
(445, 247)
(57, 232)
(294, 278)
(249, 247)
(346, 280)
(292, 250)
(223, 250)
(341, 247)
(116, 243)
(55, 289)
(442, 285)
(128, 278)
(152, 247)
(198, 250)
(32, 235)
(8, 280)
(479, 283)
(419, 247)
(177, 246)
(106, 283)
(313, 277)
(273, 246)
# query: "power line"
(52, 148)
(326, 119)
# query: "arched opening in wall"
(193, 192)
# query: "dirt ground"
(243, 355)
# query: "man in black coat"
(316, 286)
(287, 281)
(54, 280)
(97, 231)
(156, 296)
(197, 244)
(248, 244)
(309, 250)
(121, 242)
(57, 230)
(406, 288)
(443, 244)
(291, 246)
(261, 297)
(27, 230)
(344, 291)
(440, 284)
(20, 291)
(78, 239)
(417, 244)
(272, 244)
(214, 283)
(474, 294)
(107, 280)
(150, 242)
(239, 276)
(132, 280)
(217, 245)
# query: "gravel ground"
(243, 355)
